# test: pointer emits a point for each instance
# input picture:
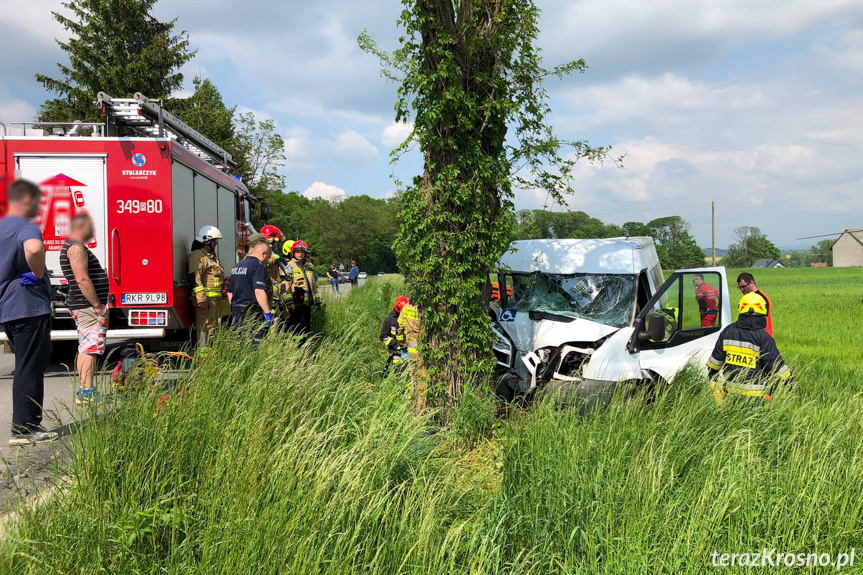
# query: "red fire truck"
(147, 195)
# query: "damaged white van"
(585, 314)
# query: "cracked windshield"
(603, 298)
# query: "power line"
(830, 235)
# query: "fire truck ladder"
(152, 119)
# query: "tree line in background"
(675, 245)
(752, 245)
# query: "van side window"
(691, 302)
(658, 278)
(644, 291)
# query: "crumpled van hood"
(530, 335)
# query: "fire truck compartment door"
(70, 184)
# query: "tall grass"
(286, 460)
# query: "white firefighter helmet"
(208, 233)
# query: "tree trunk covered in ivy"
(471, 82)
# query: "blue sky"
(754, 104)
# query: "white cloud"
(303, 149)
(396, 133)
(351, 148)
(843, 49)
(35, 17)
(326, 191)
(661, 100)
(258, 114)
(14, 110)
(298, 152)
(621, 35)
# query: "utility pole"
(713, 229)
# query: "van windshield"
(603, 298)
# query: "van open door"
(682, 321)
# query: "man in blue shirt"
(25, 309)
(354, 275)
(249, 289)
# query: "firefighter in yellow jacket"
(276, 270)
(207, 278)
(298, 289)
(409, 329)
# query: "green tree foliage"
(260, 152)
(539, 224)
(359, 228)
(471, 81)
(117, 47)
(798, 259)
(205, 111)
(256, 146)
(674, 243)
(751, 246)
(822, 252)
(633, 229)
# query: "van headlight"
(502, 347)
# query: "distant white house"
(848, 249)
(768, 263)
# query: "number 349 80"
(139, 207)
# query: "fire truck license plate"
(144, 298)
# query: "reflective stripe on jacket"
(744, 356)
(208, 275)
(409, 328)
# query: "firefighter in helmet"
(298, 290)
(409, 329)
(275, 270)
(390, 337)
(746, 361)
(207, 278)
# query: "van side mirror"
(653, 328)
(265, 210)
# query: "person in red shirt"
(746, 284)
(708, 301)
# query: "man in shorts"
(87, 298)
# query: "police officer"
(746, 356)
(390, 337)
(409, 330)
(207, 278)
(249, 288)
(299, 290)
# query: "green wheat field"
(307, 462)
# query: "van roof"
(568, 256)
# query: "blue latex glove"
(269, 318)
(405, 354)
(29, 279)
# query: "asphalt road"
(59, 405)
